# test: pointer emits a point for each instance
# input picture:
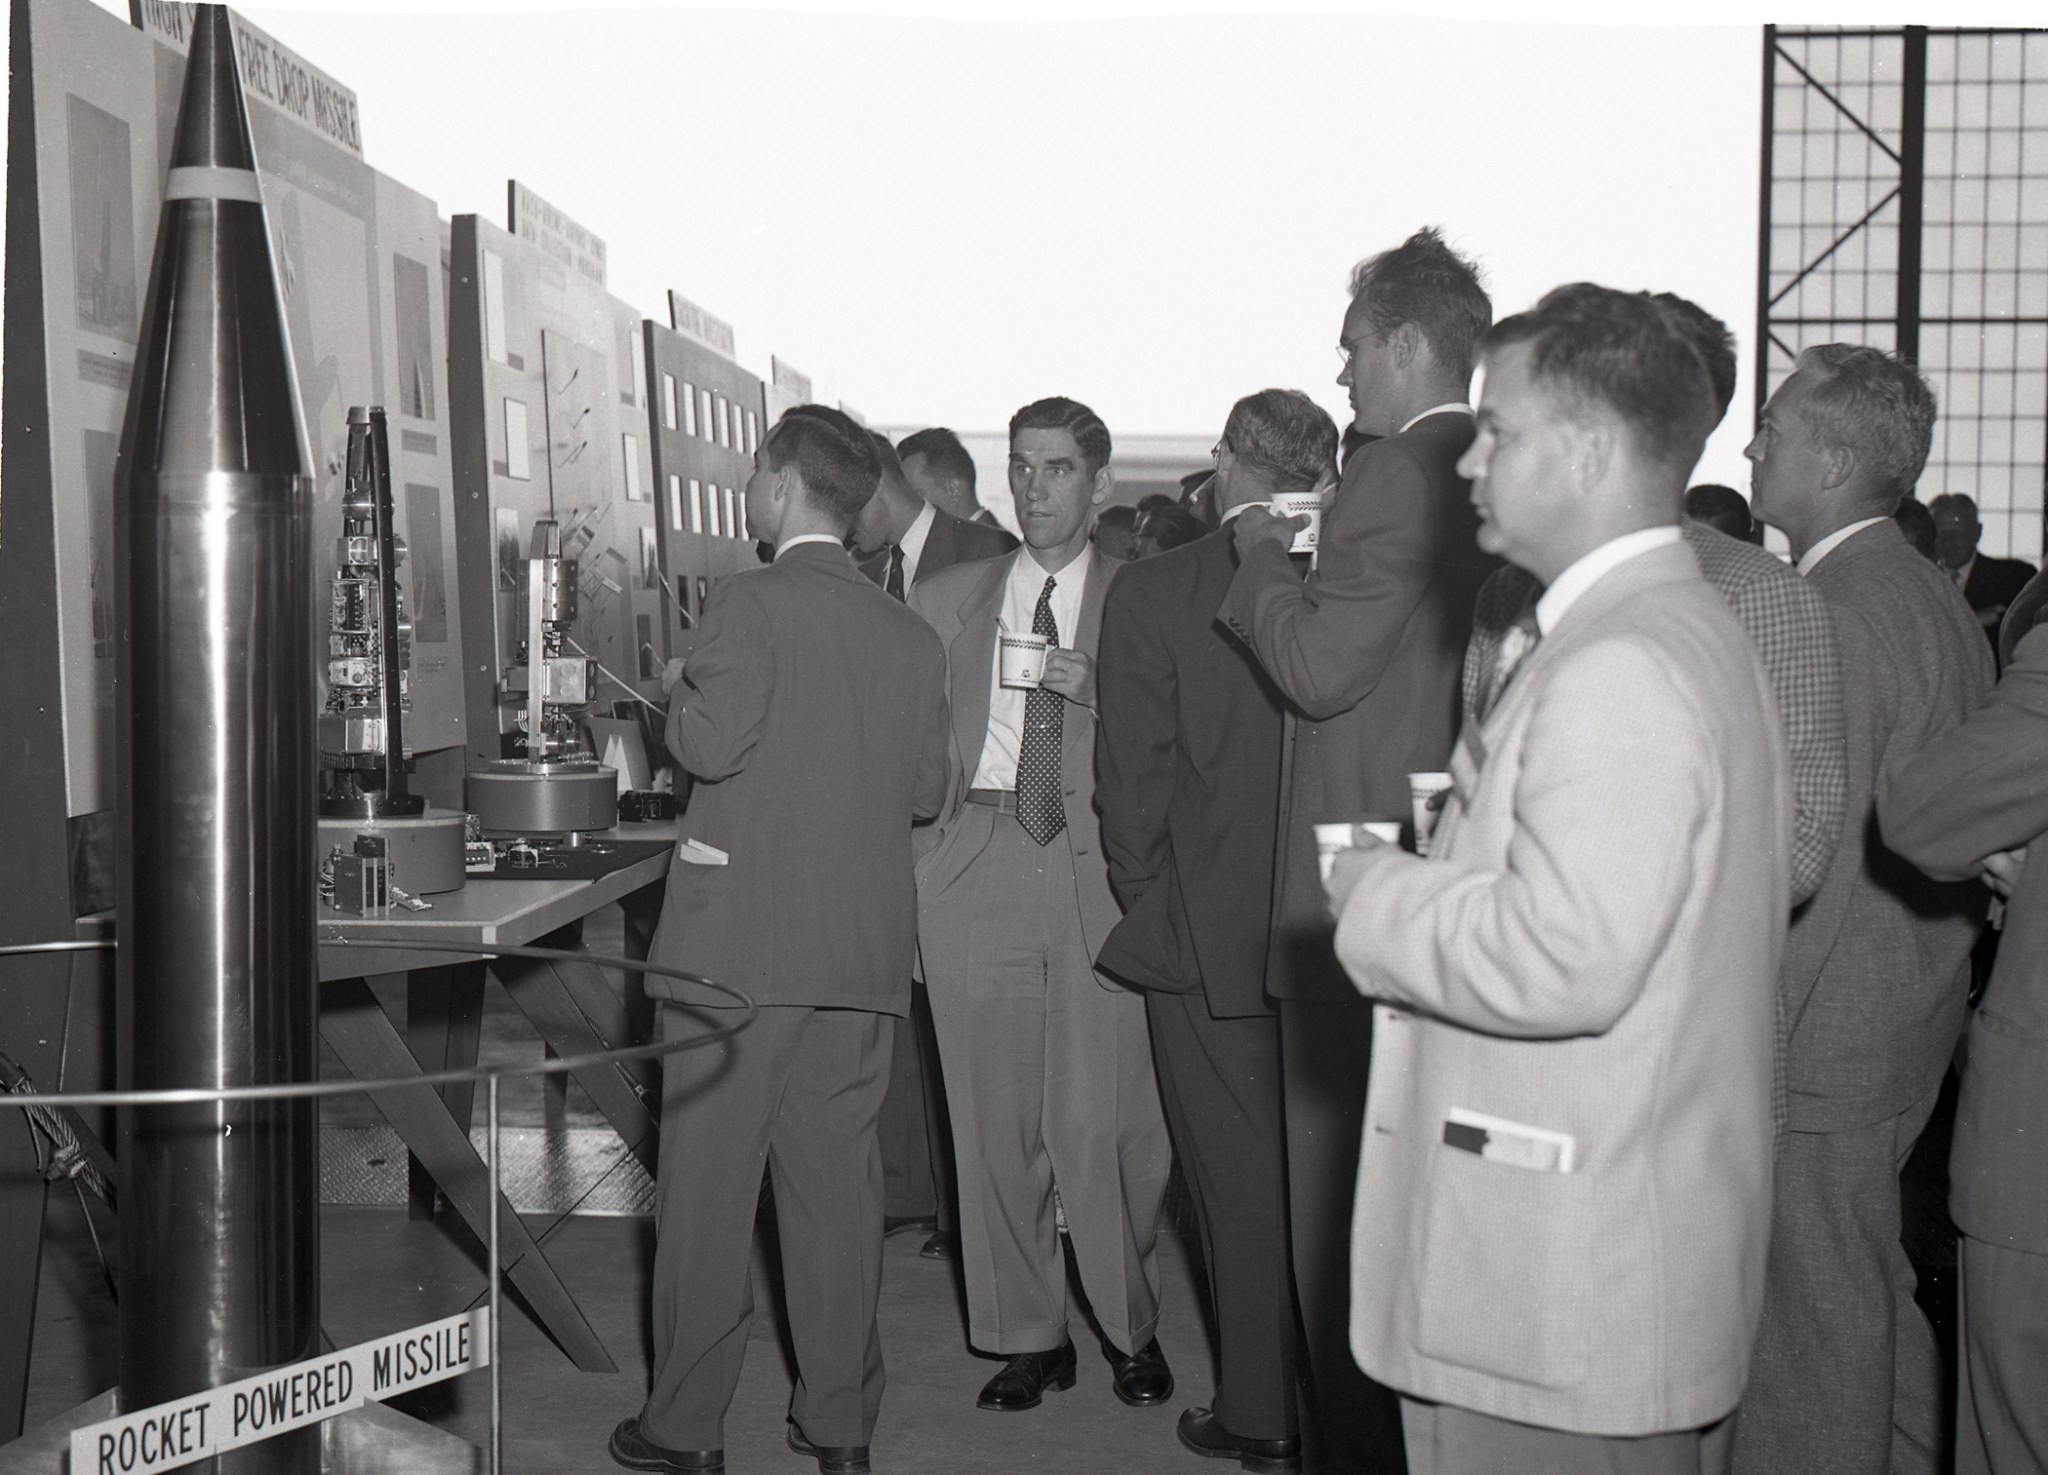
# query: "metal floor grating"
(572, 1170)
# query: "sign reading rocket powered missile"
(283, 1399)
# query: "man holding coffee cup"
(1188, 782)
(1367, 651)
(1047, 1063)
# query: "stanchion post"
(491, 1163)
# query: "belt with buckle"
(1003, 799)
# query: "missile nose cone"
(214, 387)
(213, 124)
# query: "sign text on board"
(269, 71)
(283, 1399)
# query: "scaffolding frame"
(1904, 204)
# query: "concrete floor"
(382, 1271)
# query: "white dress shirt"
(912, 542)
(997, 768)
(1565, 589)
(1453, 407)
(1833, 541)
(802, 538)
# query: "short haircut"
(1622, 353)
(1153, 500)
(1424, 282)
(1075, 418)
(1711, 340)
(1169, 527)
(1875, 404)
(1719, 507)
(942, 451)
(891, 462)
(1959, 503)
(832, 454)
(1283, 435)
(1121, 515)
(1917, 523)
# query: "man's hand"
(2001, 872)
(1257, 524)
(670, 675)
(1347, 867)
(1071, 674)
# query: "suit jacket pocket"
(1503, 1279)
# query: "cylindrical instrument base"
(515, 797)
(425, 852)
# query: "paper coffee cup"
(1334, 839)
(1301, 504)
(1427, 791)
(1023, 658)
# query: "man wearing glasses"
(1367, 652)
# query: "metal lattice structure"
(1905, 205)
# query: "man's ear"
(1838, 464)
(1105, 483)
(1407, 344)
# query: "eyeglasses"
(1347, 350)
(1216, 451)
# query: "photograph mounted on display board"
(511, 550)
(102, 221)
(413, 302)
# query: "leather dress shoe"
(1200, 1432)
(833, 1459)
(1142, 1379)
(636, 1451)
(1025, 1378)
(945, 1245)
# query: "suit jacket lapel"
(972, 655)
(1077, 725)
(939, 551)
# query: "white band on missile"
(197, 182)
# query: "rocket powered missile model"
(217, 778)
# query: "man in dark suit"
(1367, 652)
(941, 471)
(812, 715)
(1048, 1064)
(1187, 760)
(1876, 967)
(1988, 584)
(897, 539)
(1973, 803)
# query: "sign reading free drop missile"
(286, 1398)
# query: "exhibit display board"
(549, 421)
(707, 422)
(359, 258)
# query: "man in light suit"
(1877, 966)
(812, 715)
(1048, 1065)
(1564, 1192)
(897, 539)
(1785, 618)
(1973, 803)
(1187, 778)
(1367, 652)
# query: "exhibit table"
(571, 1005)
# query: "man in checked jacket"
(1785, 619)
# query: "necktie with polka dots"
(1038, 755)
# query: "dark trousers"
(1324, 1052)
(799, 1088)
(1845, 1379)
(2002, 1369)
(917, 1140)
(1219, 1081)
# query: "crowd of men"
(1564, 1137)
